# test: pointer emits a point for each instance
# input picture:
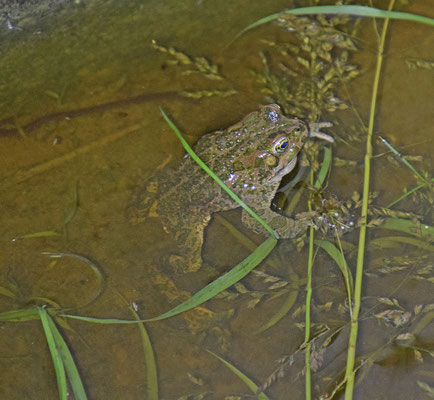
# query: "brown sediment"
(36, 123)
(23, 175)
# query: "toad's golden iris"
(281, 145)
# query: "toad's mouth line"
(284, 171)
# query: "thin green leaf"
(26, 314)
(429, 390)
(68, 362)
(151, 366)
(339, 259)
(250, 384)
(401, 158)
(325, 168)
(206, 293)
(7, 292)
(359, 11)
(394, 241)
(55, 355)
(408, 226)
(215, 177)
(282, 311)
(36, 235)
(106, 321)
(406, 194)
(222, 283)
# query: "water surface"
(80, 91)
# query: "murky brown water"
(54, 73)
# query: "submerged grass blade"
(68, 362)
(339, 258)
(36, 235)
(282, 311)
(412, 169)
(6, 292)
(55, 355)
(25, 314)
(408, 226)
(325, 168)
(401, 158)
(214, 176)
(396, 241)
(406, 194)
(358, 11)
(206, 293)
(225, 281)
(106, 321)
(250, 384)
(151, 366)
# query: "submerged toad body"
(251, 157)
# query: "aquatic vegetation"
(195, 65)
(305, 79)
(318, 93)
(307, 75)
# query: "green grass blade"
(214, 176)
(350, 370)
(401, 158)
(151, 366)
(55, 355)
(206, 293)
(222, 283)
(406, 194)
(325, 168)
(282, 311)
(339, 259)
(408, 226)
(249, 383)
(68, 362)
(307, 316)
(396, 241)
(359, 11)
(106, 321)
(26, 314)
(36, 235)
(7, 292)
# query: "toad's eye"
(281, 145)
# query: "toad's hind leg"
(144, 202)
(190, 241)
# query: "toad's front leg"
(287, 228)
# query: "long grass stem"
(351, 355)
(307, 341)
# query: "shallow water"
(58, 144)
